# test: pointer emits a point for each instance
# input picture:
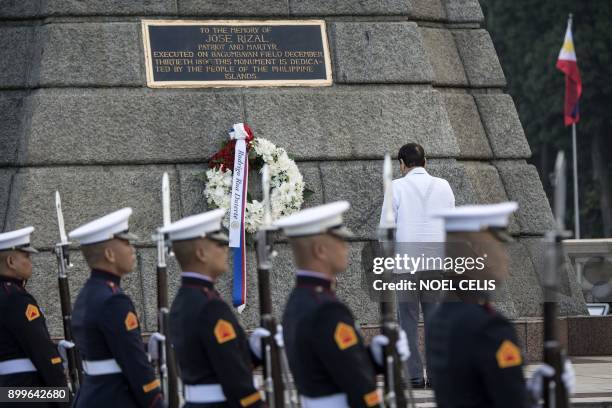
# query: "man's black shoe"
(417, 383)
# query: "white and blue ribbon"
(237, 212)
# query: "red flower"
(224, 158)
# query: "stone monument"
(77, 115)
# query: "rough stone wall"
(76, 115)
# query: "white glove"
(380, 341)
(569, 377)
(63, 346)
(535, 384)
(278, 337)
(403, 348)
(376, 347)
(154, 344)
(255, 340)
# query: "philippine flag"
(568, 64)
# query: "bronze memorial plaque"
(222, 53)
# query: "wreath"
(287, 189)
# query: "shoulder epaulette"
(488, 307)
(207, 292)
(8, 286)
(211, 293)
(322, 294)
(112, 285)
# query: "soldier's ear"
(319, 251)
(9, 261)
(109, 255)
(200, 254)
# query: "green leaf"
(202, 177)
(259, 162)
(308, 193)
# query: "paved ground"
(593, 384)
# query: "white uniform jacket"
(415, 196)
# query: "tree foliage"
(528, 36)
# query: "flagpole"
(576, 205)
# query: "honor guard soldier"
(105, 324)
(215, 358)
(28, 357)
(473, 350)
(331, 366)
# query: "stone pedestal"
(77, 116)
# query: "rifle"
(75, 368)
(394, 369)
(168, 370)
(277, 378)
(555, 393)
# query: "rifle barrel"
(75, 370)
(275, 391)
(168, 367)
(555, 393)
(394, 368)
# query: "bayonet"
(560, 191)
(166, 200)
(389, 216)
(265, 184)
(60, 220)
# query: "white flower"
(254, 216)
(284, 162)
(264, 146)
(286, 183)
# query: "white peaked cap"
(316, 220)
(476, 217)
(17, 240)
(202, 225)
(113, 225)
